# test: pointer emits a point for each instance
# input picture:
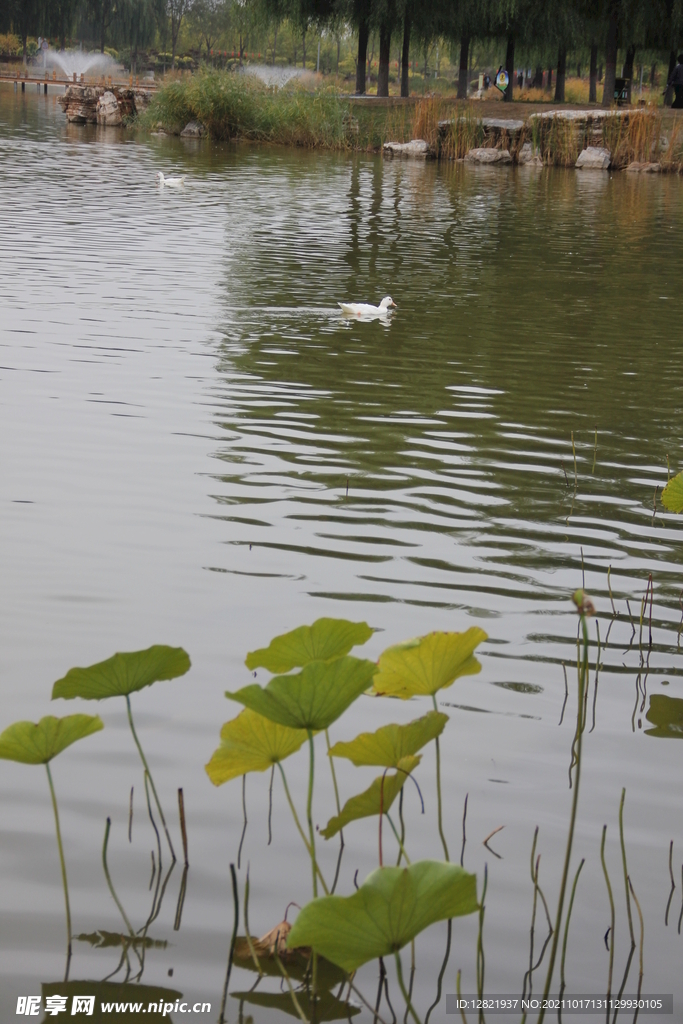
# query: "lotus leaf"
(251, 743)
(367, 804)
(123, 673)
(310, 699)
(666, 714)
(389, 744)
(672, 495)
(327, 1006)
(422, 666)
(38, 743)
(324, 640)
(392, 906)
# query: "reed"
(234, 106)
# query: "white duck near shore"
(176, 182)
(365, 310)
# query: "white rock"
(108, 110)
(647, 168)
(416, 149)
(489, 156)
(193, 130)
(594, 158)
(528, 156)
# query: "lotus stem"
(438, 788)
(257, 962)
(404, 992)
(231, 954)
(309, 811)
(402, 850)
(642, 939)
(149, 774)
(297, 1005)
(62, 864)
(611, 906)
(576, 748)
(117, 901)
(623, 861)
(299, 827)
(566, 924)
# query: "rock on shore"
(488, 156)
(96, 104)
(416, 149)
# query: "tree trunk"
(628, 69)
(384, 58)
(510, 68)
(361, 63)
(538, 78)
(549, 83)
(405, 57)
(462, 69)
(611, 55)
(593, 86)
(669, 94)
(561, 74)
(274, 45)
(304, 49)
(653, 74)
(338, 49)
(578, 70)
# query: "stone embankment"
(595, 140)
(97, 104)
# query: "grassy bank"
(235, 106)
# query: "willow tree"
(137, 23)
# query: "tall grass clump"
(234, 106)
(635, 138)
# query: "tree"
(209, 18)
(176, 11)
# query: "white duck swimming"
(171, 182)
(365, 309)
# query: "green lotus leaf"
(666, 714)
(324, 640)
(392, 906)
(123, 674)
(389, 744)
(327, 1006)
(310, 699)
(422, 666)
(672, 495)
(367, 804)
(251, 743)
(38, 743)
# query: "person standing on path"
(676, 80)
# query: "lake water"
(181, 412)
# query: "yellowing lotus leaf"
(39, 742)
(389, 744)
(427, 664)
(672, 495)
(251, 743)
(324, 640)
(381, 793)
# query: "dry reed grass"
(635, 138)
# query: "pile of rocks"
(97, 104)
